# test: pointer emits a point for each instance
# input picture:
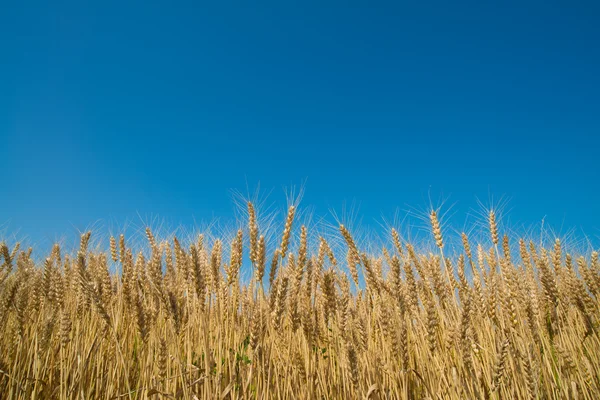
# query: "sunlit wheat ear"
(162, 361)
(500, 366)
(370, 274)
(48, 277)
(493, 226)
(324, 250)
(525, 257)
(437, 230)
(353, 366)
(89, 292)
(462, 278)
(303, 250)
(397, 243)
(113, 249)
(386, 255)
(352, 260)
(56, 255)
(141, 317)
(557, 254)
(506, 248)
(122, 248)
(150, 237)
(330, 303)
(548, 280)
(253, 229)
(533, 253)
(4, 252)
(235, 261)
(306, 315)
(595, 262)
(353, 257)
(394, 282)
(85, 240)
(198, 275)
(261, 257)
(432, 322)
(257, 327)
(569, 262)
(321, 254)
(215, 265)
(295, 273)
(466, 245)
(348, 238)
(65, 328)
(282, 292)
(287, 231)
(274, 265)
(465, 342)
(411, 285)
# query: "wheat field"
(289, 313)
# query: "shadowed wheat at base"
(178, 321)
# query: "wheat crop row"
(317, 317)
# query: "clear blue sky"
(110, 109)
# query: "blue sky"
(110, 110)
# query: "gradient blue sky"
(113, 109)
